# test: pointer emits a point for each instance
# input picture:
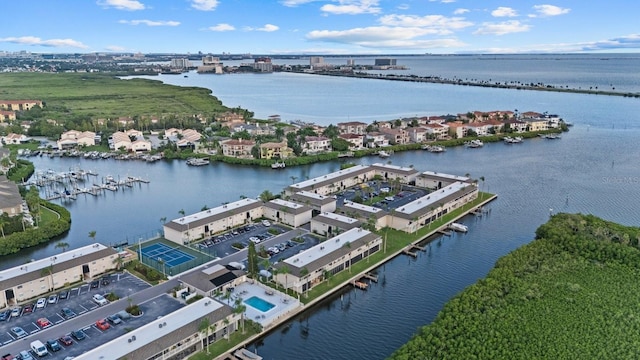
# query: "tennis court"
(170, 256)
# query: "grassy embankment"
(105, 96)
(573, 293)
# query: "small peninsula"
(570, 294)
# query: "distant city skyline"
(320, 27)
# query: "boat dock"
(68, 185)
(360, 285)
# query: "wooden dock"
(407, 251)
(444, 232)
(360, 285)
(370, 276)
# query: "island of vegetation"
(570, 294)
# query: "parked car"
(114, 319)
(41, 303)
(104, 281)
(54, 345)
(100, 300)
(266, 223)
(4, 315)
(78, 334)
(63, 295)
(123, 315)
(102, 324)
(43, 322)
(254, 240)
(66, 340)
(28, 309)
(25, 355)
(67, 313)
(95, 284)
(18, 332)
(38, 348)
(16, 311)
(389, 198)
(53, 299)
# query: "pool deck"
(285, 305)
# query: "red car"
(66, 340)
(27, 309)
(43, 322)
(102, 324)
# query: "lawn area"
(104, 95)
(47, 215)
(223, 345)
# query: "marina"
(70, 184)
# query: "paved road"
(88, 318)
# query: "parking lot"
(222, 245)
(382, 195)
(77, 300)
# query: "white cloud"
(221, 27)
(503, 28)
(504, 11)
(548, 10)
(130, 5)
(460, 11)
(294, 3)
(204, 5)
(36, 41)
(352, 7)
(438, 23)
(266, 28)
(403, 7)
(384, 37)
(444, 1)
(150, 22)
(115, 48)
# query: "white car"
(41, 303)
(15, 312)
(254, 240)
(266, 223)
(389, 198)
(385, 190)
(100, 300)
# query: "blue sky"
(320, 26)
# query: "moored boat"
(197, 161)
(474, 144)
(278, 165)
(458, 227)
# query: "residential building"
(316, 144)
(537, 124)
(39, 277)
(73, 138)
(404, 174)
(229, 119)
(330, 257)
(434, 180)
(238, 148)
(212, 221)
(437, 131)
(364, 213)
(19, 105)
(376, 140)
(119, 141)
(7, 115)
(212, 279)
(318, 203)
(273, 150)
(180, 63)
(173, 336)
(420, 212)
(287, 212)
(357, 141)
(417, 134)
(13, 138)
(333, 182)
(352, 127)
(330, 224)
(10, 199)
(396, 136)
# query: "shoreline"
(360, 274)
(438, 80)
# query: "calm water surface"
(592, 169)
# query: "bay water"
(592, 169)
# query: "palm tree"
(92, 235)
(226, 324)
(239, 308)
(62, 245)
(118, 261)
(266, 264)
(181, 212)
(3, 222)
(482, 179)
(203, 327)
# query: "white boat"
(383, 154)
(278, 165)
(434, 148)
(197, 161)
(512, 140)
(474, 144)
(458, 227)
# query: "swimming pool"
(259, 303)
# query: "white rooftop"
(338, 217)
(188, 219)
(311, 195)
(333, 175)
(48, 261)
(212, 269)
(316, 252)
(285, 203)
(120, 347)
(446, 176)
(357, 206)
(431, 199)
(394, 167)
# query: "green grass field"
(104, 95)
